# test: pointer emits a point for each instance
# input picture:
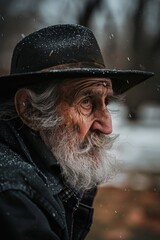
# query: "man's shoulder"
(17, 172)
(18, 175)
(14, 167)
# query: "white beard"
(84, 164)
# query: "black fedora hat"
(63, 51)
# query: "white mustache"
(94, 140)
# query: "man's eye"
(86, 106)
(86, 103)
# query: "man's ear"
(21, 102)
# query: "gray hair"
(40, 105)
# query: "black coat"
(34, 202)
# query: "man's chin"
(83, 164)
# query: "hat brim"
(122, 80)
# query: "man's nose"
(102, 122)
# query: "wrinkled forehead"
(78, 85)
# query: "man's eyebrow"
(88, 92)
(91, 92)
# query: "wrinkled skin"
(84, 106)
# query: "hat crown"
(56, 45)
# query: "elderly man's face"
(80, 140)
(78, 133)
(84, 106)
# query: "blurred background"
(128, 32)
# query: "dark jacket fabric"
(35, 203)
